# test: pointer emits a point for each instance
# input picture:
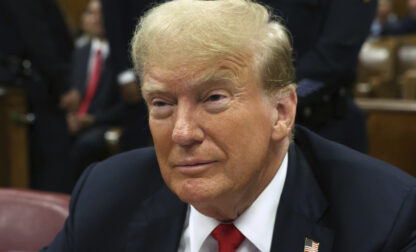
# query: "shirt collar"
(256, 223)
(102, 45)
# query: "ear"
(285, 111)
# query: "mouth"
(193, 167)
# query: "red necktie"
(229, 238)
(92, 83)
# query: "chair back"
(406, 54)
(377, 67)
(29, 220)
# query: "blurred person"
(384, 15)
(120, 18)
(327, 41)
(402, 26)
(227, 172)
(84, 33)
(35, 49)
(93, 103)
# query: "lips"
(193, 163)
(193, 166)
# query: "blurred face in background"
(92, 20)
(411, 5)
(383, 10)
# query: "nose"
(187, 130)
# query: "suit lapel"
(79, 74)
(301, 212)
(158, 224)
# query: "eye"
(159, 103)
(160, 108)
(215, 97)
(217, 101)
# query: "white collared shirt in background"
(96, 45)
(256, 223)
(126, 77)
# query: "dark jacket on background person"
(120, 20)
(36, 31)
(106, 105)
(35, 51)
(327, 37)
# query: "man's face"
(92, 19)
(383, 10)
(212, 131)
(411, 4)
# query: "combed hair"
(185, 33)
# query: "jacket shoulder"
(126, 173)
(372, 203)
(335, 161)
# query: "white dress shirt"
(96, 45)
(256, 223)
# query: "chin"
(195, 191)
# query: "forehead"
(233, 70)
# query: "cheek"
(243, 130)
(161, 132)
(246, 139)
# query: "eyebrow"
(217, 76)
(150, 87)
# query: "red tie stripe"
(92, 84)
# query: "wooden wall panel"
(14, 160)
(4, 171)
(72, 10)
(391, 127)
(400, 7)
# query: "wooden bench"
(14, 161)
(391, 126)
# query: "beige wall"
(400, 7)
(72, 10)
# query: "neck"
(230, 206)
(100, 38)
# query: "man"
(402, 26)
(94, 103)
(230, 177)
(384, 16)
(35, 50)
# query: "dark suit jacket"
(403, 26)
(106, 104)
(340, 198)
(120, 19)
(327, 35)
(36, 30)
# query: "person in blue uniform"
(327, 37)
(403, 26)
(35, 52)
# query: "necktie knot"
(98, 55)
(229, 238)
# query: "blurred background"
(68, 95)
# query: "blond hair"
(185, 33)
